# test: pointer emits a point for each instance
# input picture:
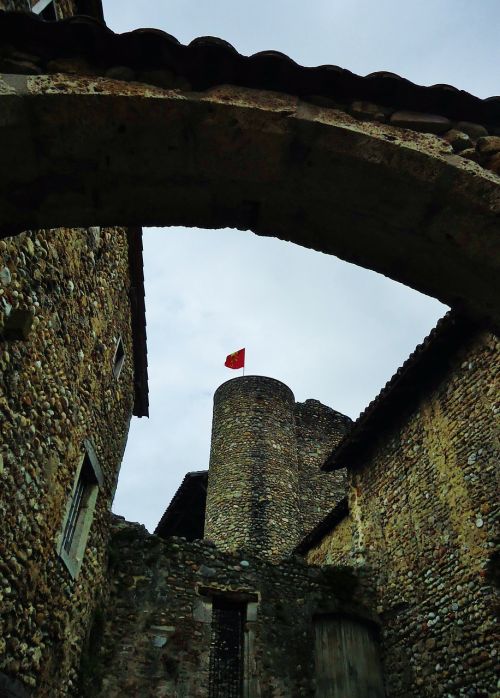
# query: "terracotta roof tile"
(209, 61)
(425, 364)
(185, 515)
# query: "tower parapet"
(252, 498)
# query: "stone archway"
(81, 150)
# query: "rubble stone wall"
(336, 547)
(423, 507)
(57, 388)
(15, 5)
(252, 497)
(318, 429)
(155, 632)
(64, 8)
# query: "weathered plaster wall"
(423, 508)
(318, 430)
(57, 388)
(155, 631)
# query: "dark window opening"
(86, 482)
(227, 648)
(119, 358)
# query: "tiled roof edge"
(428, 360)
(174, 503)
(138, 308)
(339, 512)
(207, 62)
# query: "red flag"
(236, 359)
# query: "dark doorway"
(227, 648)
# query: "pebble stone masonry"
(389, 175)
(252, 498)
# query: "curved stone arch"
(81, 151)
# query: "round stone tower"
(252, 498)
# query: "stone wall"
(252, 497)
(336, 547)
(422, 511)
(64, 8)
(266, 488)
(318, 429)
(57, 388)
(154, 634)
(16, 5)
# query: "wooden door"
(347, 663)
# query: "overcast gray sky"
(328, 329)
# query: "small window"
(80, 511)
(45, 9)
(119, 358)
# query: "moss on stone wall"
(57, 388)
(157, 634)
(423, 508)
(334, 548)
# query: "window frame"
(42, 6)
(79, 513)
(118, 358)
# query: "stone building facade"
(319, 429)
(66, 399)
(159, 633)
(73, 371)
(422, 516)
(265, 484)
(406, 562)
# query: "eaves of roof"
(138, 312)
(177, 506)
(426, 365)
(207, 62)
(339, 512)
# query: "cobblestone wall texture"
(154, 637)
(252, 498)
(64, 8)
(335, 548)
(318, 429)
(56, 389)
(423, 508)
(16, 5)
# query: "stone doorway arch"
(81, 147)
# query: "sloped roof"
(208, 61)
(185, 515)
(138, 311)
(425, 364)
(339, 512)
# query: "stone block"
(493, 163)
(459, 140)
(417, 121)
(488, 145)
(368, 111)
(475, 131)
